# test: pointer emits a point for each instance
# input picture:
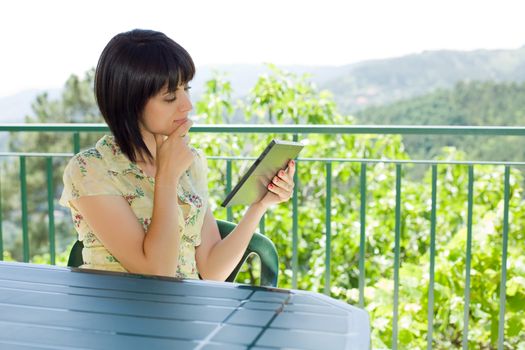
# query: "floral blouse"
(105, 170)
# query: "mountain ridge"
(378, 82)
(355, 86)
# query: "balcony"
(432, 249)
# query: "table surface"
(49, 307)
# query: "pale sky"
(44, 41)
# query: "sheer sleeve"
(86, 175)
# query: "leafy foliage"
(77, 104)
(451, 229)
(468, 103)
(283, 97)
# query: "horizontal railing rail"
(296, 130)
(292, 129)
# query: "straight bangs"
(181, 71)
(164, 66)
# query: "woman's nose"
(185, 105)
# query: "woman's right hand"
(174, 155)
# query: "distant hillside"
(383, 81)
(472, 103)
(356, 86)
(14, 108)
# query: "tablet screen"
(252, 186)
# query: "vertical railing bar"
(430, 315)
(295, 224)
(23, 194)
(466, 310)
(503, 288)
(76, 142)
(362, 236)
(328, 222)
(396, 257)
(295, 232)
(1, 219)
(229, 212)
(50, 209)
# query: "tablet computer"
(253, 185)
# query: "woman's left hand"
(280, 189)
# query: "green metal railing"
(297, 130)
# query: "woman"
(139, 197)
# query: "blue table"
(49, 307)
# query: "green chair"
(259, 245)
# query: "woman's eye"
(187, 88)
(171, 99)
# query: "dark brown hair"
(133, 67)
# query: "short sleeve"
(199, 173)
(86, 175)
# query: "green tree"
(476, 103)
(270, 101)
(283, 97)
(76, 104)
(215, 106)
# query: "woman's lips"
(180, 121)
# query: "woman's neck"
(141, 156)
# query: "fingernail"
(281, 173)
(270, 186)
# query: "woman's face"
(165, 111)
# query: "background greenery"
(281, 97)
(475, 103)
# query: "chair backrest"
(75, 255)
(260, 245)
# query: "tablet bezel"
(256, 164)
